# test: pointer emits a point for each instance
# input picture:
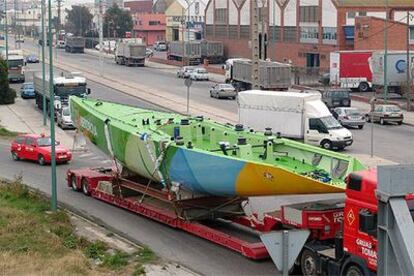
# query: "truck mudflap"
(284, 247)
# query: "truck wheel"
(353, 270)
(382, 122)
(308, 263)
(326, 144)
(85, 186)
(363, 87)
(361, 126)
(73, 183)
(41, 160)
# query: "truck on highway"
(338, 236)
(273, 75)
(396, 69)
(350, 69)
(195, 52)
(74, 44)
(15, 64)
(64, 86)
(294, 115)
(130, 53)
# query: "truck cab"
(16, 65)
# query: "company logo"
(400, 66)
(350, 217)
(268, 176)
(89, 126)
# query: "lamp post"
(52, 113)
(6, 28)
(386, 53)
(42, 7)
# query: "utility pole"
(42, 7)
(255, 45)
(386, 53)
(6, 32)
(100, 22)
(52, 113)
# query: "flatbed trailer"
(224, 225)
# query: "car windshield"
(352, 111)
(66, 112)
(392, 109)
(340, 94)
(45, 142)
(28, 85)
(330, 122)
(226, 86)
(202, 71)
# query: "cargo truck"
(74, 44)
(213, 51)
(396, 70)
(350, 69)
(189, 52)
(338, 236)
(130, 53)
(15, 64)
(64, 86)
(273, 75)
(294, 115)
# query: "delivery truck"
(74, 44)
(297, 115)
(350, 69)
(130, 53)
(272, 75)
(396, 69)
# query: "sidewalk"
(24, 117)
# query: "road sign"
(188, 82)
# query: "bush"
(7, 94)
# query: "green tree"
(79, 20)
(7, 94)
(117, 22)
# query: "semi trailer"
(74, 44)
(195, 52)
(130, 53)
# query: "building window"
(309, 34)
(221, 31)
(329, 35)
(411, 34)
(209, 30)
(351, 14)
(362, 13)
(153, 23)
(289, 34)
(245, 31)
(233, 31)
(274, 33)
(309, 14)
(197, 8)
(220, 16)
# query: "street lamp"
(6, 28)
(386, 53)
(52, 112)
(42, 7)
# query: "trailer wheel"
(73, 183)
(308, 263)
(353, 270)
(85, 186)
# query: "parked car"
(184, 72)
(199, 74)
(160, 46)
(386, 113)
(63, 118)
(32, 58)
(349, 116)
(27, 91)
(336, 98)
(38, 148)
(223, 90)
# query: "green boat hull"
(202, 156)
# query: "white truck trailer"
(273, 75)
(396, 69)
(294, 115)
(130, 53)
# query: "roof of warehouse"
(374, 3)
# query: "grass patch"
(7, 133)
(34, 241)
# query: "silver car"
(349, 116)
(223, 90)
(63, 118)
(185, 72)
(386, 113)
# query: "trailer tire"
(85, 186)
(73, 183)
(308, 263)
(363, 87)
(353, 270)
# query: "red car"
(38, 148)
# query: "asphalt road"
(392, 142)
